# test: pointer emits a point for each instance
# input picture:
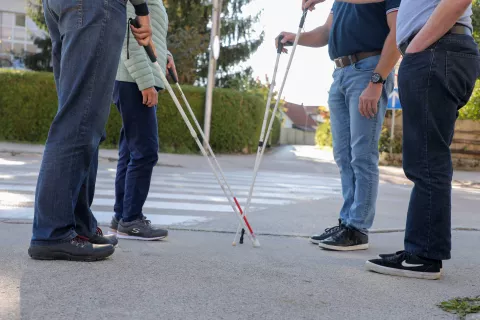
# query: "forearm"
(141, 8)
(443, 18)
(389, 56)
(316, 38)
(360, 1)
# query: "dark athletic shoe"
(406, 265)
(316, 238)
(100, 238)
(113, 226)
(77, 249)
(388, 255)
(140, 229)
(346, 239)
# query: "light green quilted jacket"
(138, 68)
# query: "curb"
(269, 234)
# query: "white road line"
(164, 205)
(17, 198)
(104, 217)
(273, 194)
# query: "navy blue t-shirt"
(359, 27)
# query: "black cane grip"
(302, 21)
(172, 74)
(148, 49)
(282, 45)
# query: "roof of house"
(299, 117)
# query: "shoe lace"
(79, 241)
(399, 255)
(99, 232)
(146, 222)
(335, 228)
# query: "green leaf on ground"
(461, 306)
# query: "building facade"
(17, 31)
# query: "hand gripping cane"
(264, 137)
(234, 203)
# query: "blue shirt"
(359, 27)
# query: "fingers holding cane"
(310, 4)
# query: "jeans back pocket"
(462, 71)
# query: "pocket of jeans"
(71, 15)
(122, 2)
(366, 65)
(462, 71)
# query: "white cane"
(263, 139)
(231, 199)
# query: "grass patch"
(461, 306)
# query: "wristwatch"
(377, 78)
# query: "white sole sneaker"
(126, 236)
(402, 273)
(337, 248)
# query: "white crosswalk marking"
(173, 195)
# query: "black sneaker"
(140, 229)
(388, 255)
(316, 238)
(347, 239)
(77, 249)
(408, 265)
(113, 226)
(100, 238)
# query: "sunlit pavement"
(198, 274)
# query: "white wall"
(18, 6)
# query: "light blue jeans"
(355, 141)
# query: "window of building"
(20, 20)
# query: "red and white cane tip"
(256, 243)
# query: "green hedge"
(472, 110)
(323, 137)
(28, 103)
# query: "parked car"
(6, 61)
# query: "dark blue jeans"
(87, 37)
(433, 86)
(138, 151)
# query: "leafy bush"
(385, 142)
(472, 110)
(323, 136)
(28, 103)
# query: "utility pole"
(212, 66)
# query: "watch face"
(376, 78)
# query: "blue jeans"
(87, 37)
(355, 141)
(138, 151)
(433, 85)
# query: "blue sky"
(310, 75)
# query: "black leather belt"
(345, 61)
(456, 29)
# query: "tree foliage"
(237, 35)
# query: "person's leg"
(91, 36)
(141, 136)
(363, 142)
(433, 85)
(340, 128)
(431, 111)
(365, 135)
(122, 165)
(140, 130)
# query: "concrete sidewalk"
(197, 275)
(275, 158)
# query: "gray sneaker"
(140, 229)
(113, 226)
